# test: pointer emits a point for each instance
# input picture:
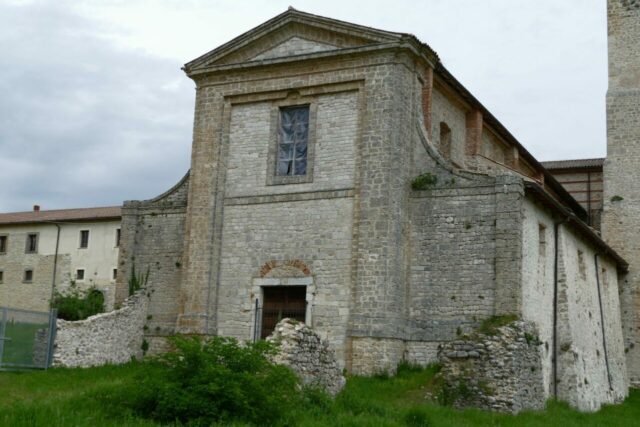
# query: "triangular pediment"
(291, 33)
(294, 46)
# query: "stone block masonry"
(621, 212)
(114, 337)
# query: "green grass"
(80, 397)
(18, 349)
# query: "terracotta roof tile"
(61, 215)
(577, 163)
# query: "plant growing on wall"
(424, 181)
(137, 281)
(76, 304)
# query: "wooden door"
(280, 302)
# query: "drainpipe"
(55, 265)
(555, 309)
(604, 338)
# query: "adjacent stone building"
(582, 178)
(42, 251)
(342, 176)
(621, 215)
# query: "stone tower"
(621, 218)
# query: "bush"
(424, 181)
(218, 380)
(74, 304)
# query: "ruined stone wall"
(113, 337)
(621, 212)
(152, 241)
(499, 371)
(311, 358)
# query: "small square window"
(115, 274)
(84, 239)
(80, 274)
(28, 276)
(1, 276)
(118, 233)
(3, 244)
(32, 243)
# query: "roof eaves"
(490, 119)
(573, 220)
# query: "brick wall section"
(621, 218)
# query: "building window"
(1, 276)
(115, 273)
(80, 274)
(3, 244)
(445, 141)
(293, 139)
(84, 238)
(28, 276)
(542, 240)
(581, 265)
(32, 243)
(118, 232)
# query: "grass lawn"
(18, 349)
(80, 397)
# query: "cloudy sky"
(94, 108)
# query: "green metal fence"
(26, 338)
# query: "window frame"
(80, 240)
(5, 249)
(24, 275)
(26, 243)
(118, 237)
(1, 276)
(272, 158)
(114, 273)
(80, 279)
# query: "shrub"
(218, 380)
(490, 326)
(424, 181)
(74, 304)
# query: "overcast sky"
(94, 108)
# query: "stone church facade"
(309, 134)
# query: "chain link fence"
(26, 338)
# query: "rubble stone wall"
(113, 337)
(308, 355)
(500, 372)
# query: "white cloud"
(95, 109)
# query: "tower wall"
(621, 217)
